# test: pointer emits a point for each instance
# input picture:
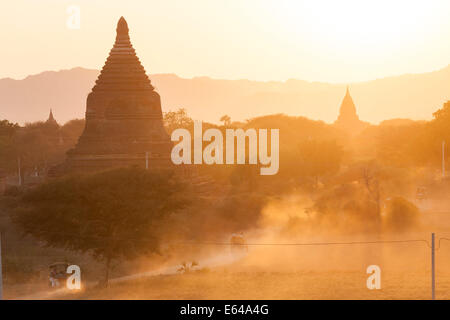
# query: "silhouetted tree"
(112, 215)
(226, 120)
(401, 215)
(177, 119)
(318, 158)
(8, 159)
(72, 130)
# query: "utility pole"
(1, 274)
(19, 171)
(433, 266)
(146, 161)
(443, 159)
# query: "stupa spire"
(122, 27)
(51, 119)
(50, 116)
(347, 110)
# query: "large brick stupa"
(124, 125)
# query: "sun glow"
(356, 24)
(316, 40)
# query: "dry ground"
(336, 272)
(330, 272)
(272, 285)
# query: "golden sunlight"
(225, 150)
(352, 24)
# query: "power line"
(317, 243)
(194, 242)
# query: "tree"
(112, 215)
(8, 159)
(177, 119)
(7, 129)
(371, 180)
(317, 158)
(72, 130)
(443, 114)
(401, 215)
(226, 120)
(440, 131)
(36, 145)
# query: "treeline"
(412, 144)
(37, 146)
(333, 181)
(313, 152)
(310, 151)
(349, 180)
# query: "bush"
(12, 191)
(401, 215)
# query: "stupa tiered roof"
(124, 123)
(122, 70)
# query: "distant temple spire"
(348, 118)
(51, 119)
(50, 116)
(347, 111)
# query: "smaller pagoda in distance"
(53, 130)
(51, 120)
(348, 119)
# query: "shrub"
(401, 215)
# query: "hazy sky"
(317, 40)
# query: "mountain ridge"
(413, 96)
